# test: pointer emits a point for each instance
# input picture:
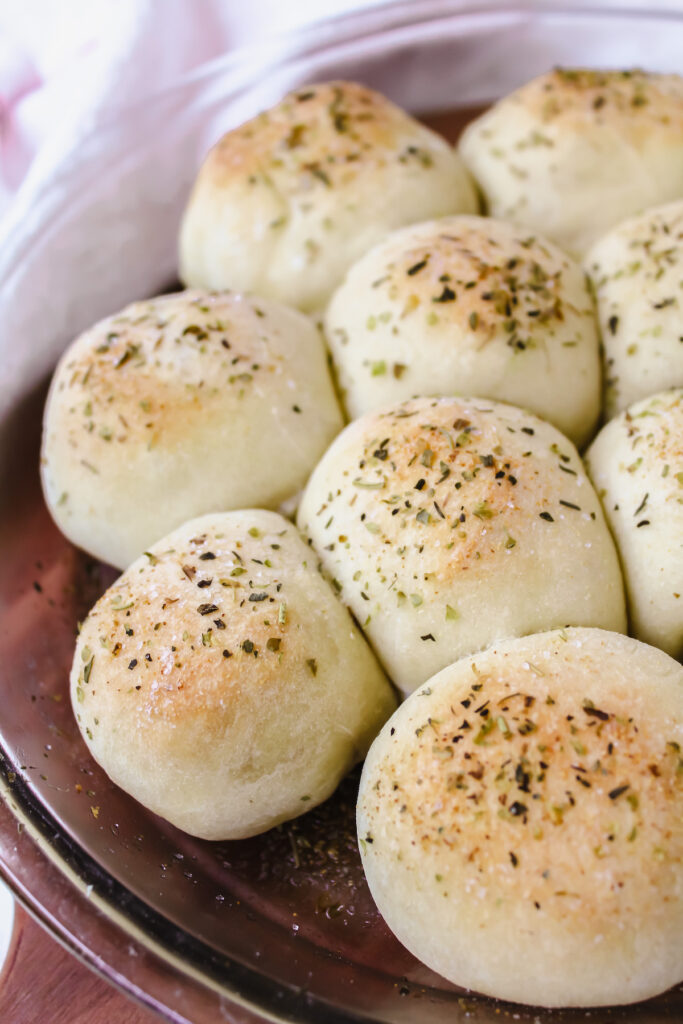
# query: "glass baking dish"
(281, 927)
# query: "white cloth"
(63, 65)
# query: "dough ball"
(636, 465)
(637, 273)
(180, 405)
(285, 203)
(520, 815)
(473, 306)
(221, 683)
(449, 523)
(574, 152)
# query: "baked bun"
(221, 683)
(574, 152)
(636, 464)
(449, 523)
(519, 820)
(184, 404)
(637, 273)
(286, 202)
(468, 305)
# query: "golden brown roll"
(637, 274)
(181, 405)
(468, 306)
(286, 202)
(575, 151)
(449, 523)
(520, 820)
(221, 683)
(636, 464)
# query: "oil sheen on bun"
(468, 306)
(181, 405)
(449, 523)
(221, 683)
(575, 151)
(519, 820)
(285, 203)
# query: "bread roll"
(519, 820)
(286, 202)
(637, 273)
(221, 683)
(636, 464)
(575, 151)
(468, 305)
(449, 523)
(184, 404)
